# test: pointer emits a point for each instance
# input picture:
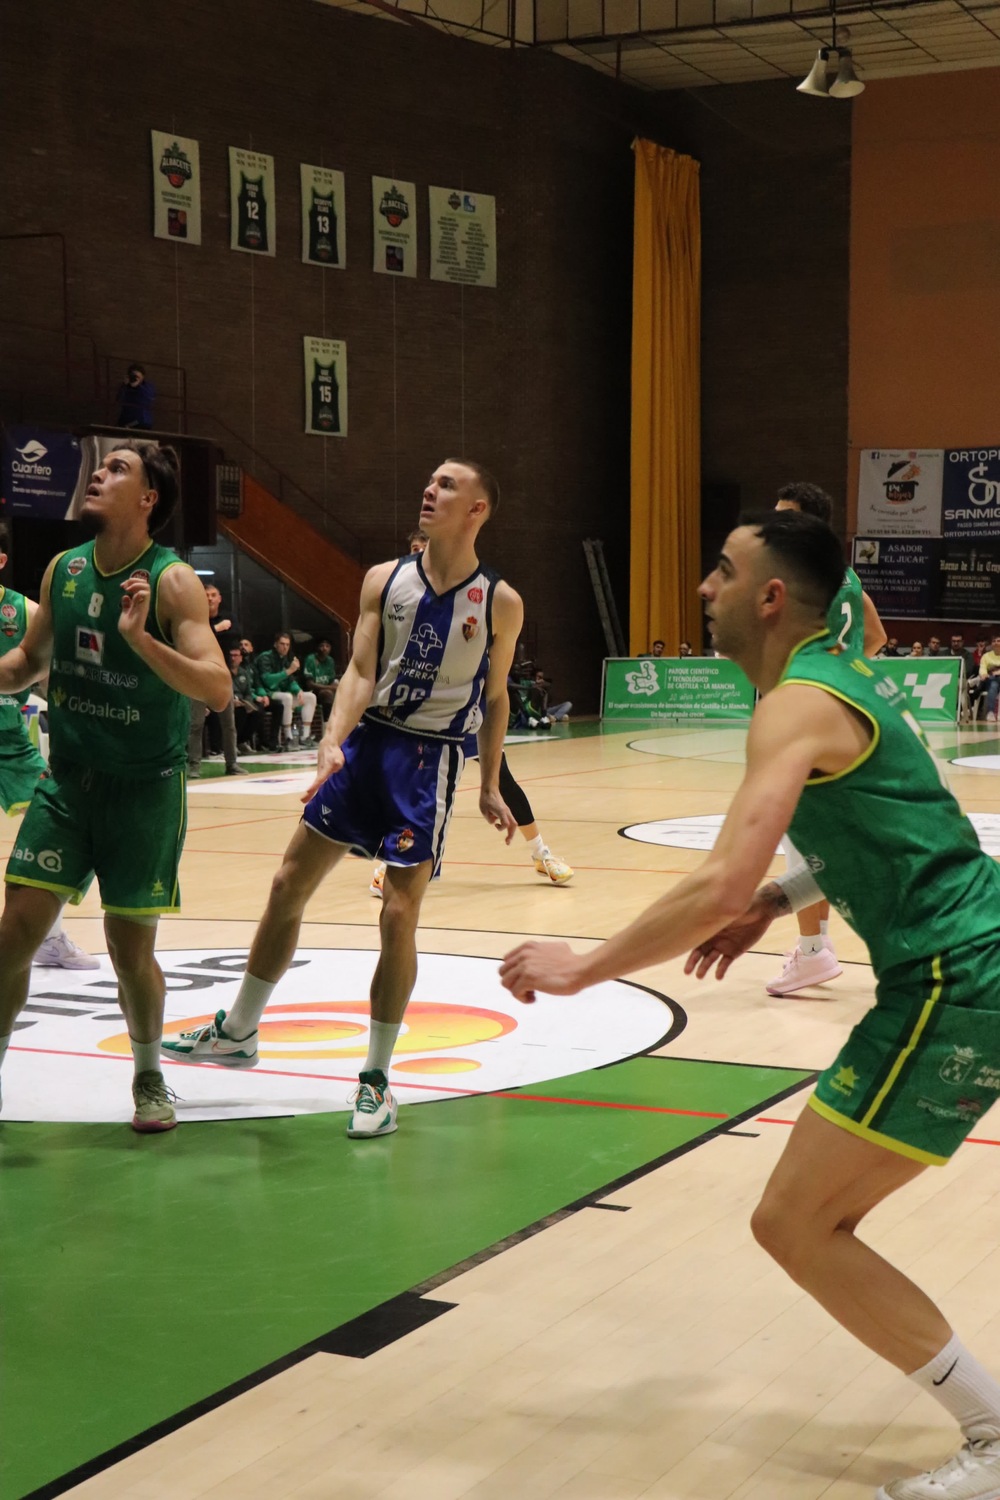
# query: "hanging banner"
(251, 201)
(463, 237)
(673, 688)
(394, 213)
(899, 492)
(900, 576)
(41, 472)
(930, 684)
(176, 188)
(324, 230)
(972, 493)
(326, 386)
(969, 583)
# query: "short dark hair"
(324, 640)
(490, 487)
(810, 499)
(809, 553)
(418, 534)
(162, 467)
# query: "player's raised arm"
(508, 617)
(193, 665)
(28, 663)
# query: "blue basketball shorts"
(393, 797)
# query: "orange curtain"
(666, 400)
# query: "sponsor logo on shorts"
(966, 1110)
(49, 860)
(957, 1067)
(76, 565)
(470, 628)
(89, 645)
(987, 1078)
(157, 888)
(475, 595)
(405, 840)
(845, 1080)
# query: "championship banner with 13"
(251, 201)
(325, 386)
(176, 188)
(463, 237)
(324, 224)
(394, 216)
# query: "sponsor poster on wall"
(41, 472)
(930, 683)
(325, 386)
(324, 224)
(972, 493)
(668, 688)
(900, 574)
(176, 188)
(899, 492)
(969, 580)
(394, 215)
(251, 202)
(463, 237)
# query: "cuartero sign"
(666, 689)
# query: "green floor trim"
(142, 1275)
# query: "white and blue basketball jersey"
(434, 653)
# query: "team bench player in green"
(122, 632)
(833, 757)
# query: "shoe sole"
(371, 1135)
(780, 992)
(556, 879)
(153, 1127)
(215, 1062)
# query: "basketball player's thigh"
(54, 848)
(139, 829)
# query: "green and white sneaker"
(154, 1104)
(374, 1107)
(210, 1044)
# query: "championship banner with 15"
(251, 201)
(326, 386)
(899, 492)
(176, 188)
(324, 225)
(394, 215)
(463, 237)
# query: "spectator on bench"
(320, 674)
(249, 701)
(278, 668)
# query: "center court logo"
(463, 1034)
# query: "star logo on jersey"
(157, 888)
(643, 681)
(470, 628)
(845, 1080)
(426, 639)
(69, 588)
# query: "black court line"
(751, 1135)
(392, 1320)
(614, 1208)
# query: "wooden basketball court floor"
(542, 1291)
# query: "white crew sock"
(248, 1007)
(824, 928)
(964, 1388)
(537, 847)
(4, 1044)
(381, 1040)
(811, 945)
(147, 1055)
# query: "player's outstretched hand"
(496, 812)
(552, 967)
(329, 758)
(728, 943)
(136, 595)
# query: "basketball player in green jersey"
(122, 632)
(834, 755)
(853, 621)
(21, 764)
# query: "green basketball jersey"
(885, 839)
(107, 710)
(845, 619)
(13, 624)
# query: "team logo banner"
(394, 213)
(41, 472)
(899, 492)
(972, 493)
(176, 188)
(251, 202)
(324, 225)
(326, 386)
(662, 689)
(463, 237)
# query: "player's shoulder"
(507, 602)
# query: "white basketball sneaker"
(374, 1107)
(60, 952)
(973, 1474)
(803, 970)
(210, 1044)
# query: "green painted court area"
(141, 1275)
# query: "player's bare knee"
(27, 917)
(780, 1231)
(288, 889)
(400, 913)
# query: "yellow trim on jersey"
(100, 571)
(69, 891)
(915, 1035)
(138, 911)
(17, 808)
(901, 1148)
(796, 649)
(175, 894)
(865, 754)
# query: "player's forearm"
(19, 671)
(354, 694)
(205, 681)
(490, 741)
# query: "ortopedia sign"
(664, 688)
(70, 1058)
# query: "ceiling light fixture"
(817, 81)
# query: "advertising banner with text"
(669, 689)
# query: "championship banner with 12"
(899, 492)
(251, 201)
(394, 215)
(176, 188)
(666, 689)
(463, 237)
(324, 224)
(325, 386)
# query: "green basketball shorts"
(130, 834)
(20, 767)
(919, 1071)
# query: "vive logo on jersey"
(931, 692)
(426, 639)
(396, 613)
(89, 645)
(643, 681)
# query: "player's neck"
(114, 550)
(446, 561)
(775, 651)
